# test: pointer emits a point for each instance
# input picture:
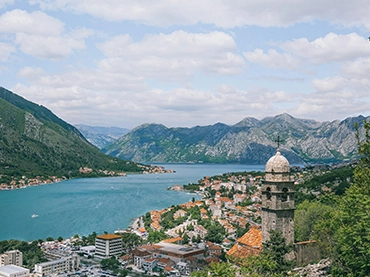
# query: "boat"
(35, 215)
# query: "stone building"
(278, 199)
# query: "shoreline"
(35, 182)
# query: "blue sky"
(187, 63)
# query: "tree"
(348, 227)
(306, 216)
(216, 232)
(130, 240)
(216, 270)
(110, 264)
(272, 260)
(156, 236)
(185, 238)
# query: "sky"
(186, 63)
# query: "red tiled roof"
(248, 245)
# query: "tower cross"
(278, 140)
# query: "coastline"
(25, 182)
(125, 207)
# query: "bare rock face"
(320, 269)
(250, 141)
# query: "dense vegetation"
(35, 142)
(32, 254)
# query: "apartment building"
(64, 264)
(108, 245)
(13, 257)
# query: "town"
(225, 224)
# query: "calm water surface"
(81, 206)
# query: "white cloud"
(41, 35)
(298, 52)
(331, 48)
(5, 51)
(272, 59)
(222, 13)
(48, 47)
(354, 87)
(5, 2)
(359, 68)
(174, 56)
(332, 105)
(35, 23)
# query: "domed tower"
(278, 199)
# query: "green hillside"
(35, 142)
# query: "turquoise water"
(82, 206)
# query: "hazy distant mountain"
(34, 141)
(249, 141)
(101, 136)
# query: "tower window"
(284, 198)
(268, 193)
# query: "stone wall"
(307, 252)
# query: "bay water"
(82, 206)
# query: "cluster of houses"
(25, 182)
(174, 257)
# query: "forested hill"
(34, 141)
(249, 141)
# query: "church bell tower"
(278, 199)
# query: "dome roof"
(277, 164)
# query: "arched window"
(284, 197)
(268, 193)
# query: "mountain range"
(35, 142)
(101, 136)
(249, 141)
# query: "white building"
(13, 257)
(65, 264)
(14, 271)
(88, 250)
(108, 245)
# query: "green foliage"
(32, 254)
(156, 236)
(191, 187)
(216, 270)
(240, 231)
(344, 231)
(306, 215)
(216, 232)
(185, 238)
(110, 264)
(35, 142)
(337, 179)
(130, 240)
(271, 262)
(168, 221)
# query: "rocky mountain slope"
(249, 141)
(101, 136)
(34, 141)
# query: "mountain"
(101, 136)
(249, 141)
(35, 142)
